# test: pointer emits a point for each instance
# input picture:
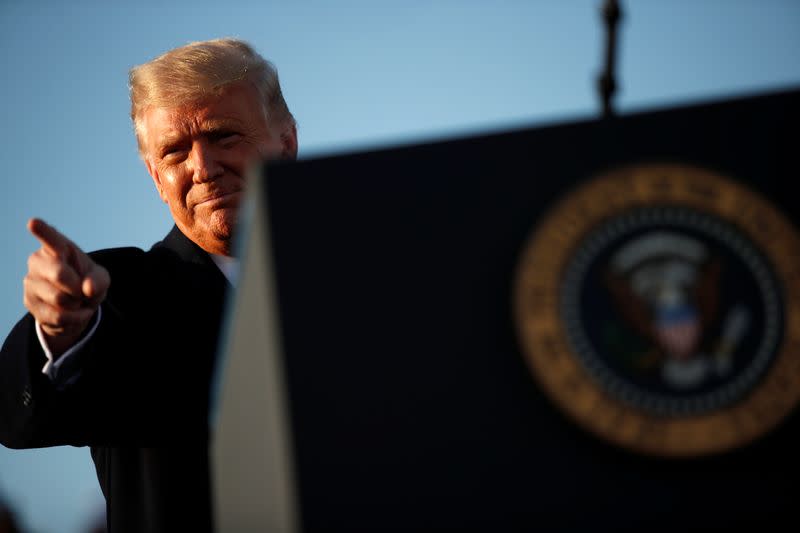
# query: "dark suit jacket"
(142, 399)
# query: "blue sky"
(356, 75)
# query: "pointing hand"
(63, 287)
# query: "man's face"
(197, 155)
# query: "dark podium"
(438, 361)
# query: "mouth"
(221, 199)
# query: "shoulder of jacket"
(111, 256)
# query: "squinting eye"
(226, 138)
(173, 155)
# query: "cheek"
(175, 185)
(269, 149)
(239, 159)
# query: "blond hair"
(201, 69)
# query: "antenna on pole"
(606, 84)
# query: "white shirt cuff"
(51, 367)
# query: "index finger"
(53, 241)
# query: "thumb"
(95, 284)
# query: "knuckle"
(39, 255)
(34, 263)
(26, 301)
(60, 273)
(28, 286)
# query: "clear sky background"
(357, 75)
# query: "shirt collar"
(229, 266)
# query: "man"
(117, 350)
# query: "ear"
(153, 171)
(289, 141)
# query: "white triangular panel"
(253, 489)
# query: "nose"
(203, 162)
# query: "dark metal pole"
(606, 84)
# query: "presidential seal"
(657, 306)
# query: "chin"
(223, 237)
(223, 222)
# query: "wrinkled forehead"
(237, 106)
(158, 125)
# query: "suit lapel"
(189, 252)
